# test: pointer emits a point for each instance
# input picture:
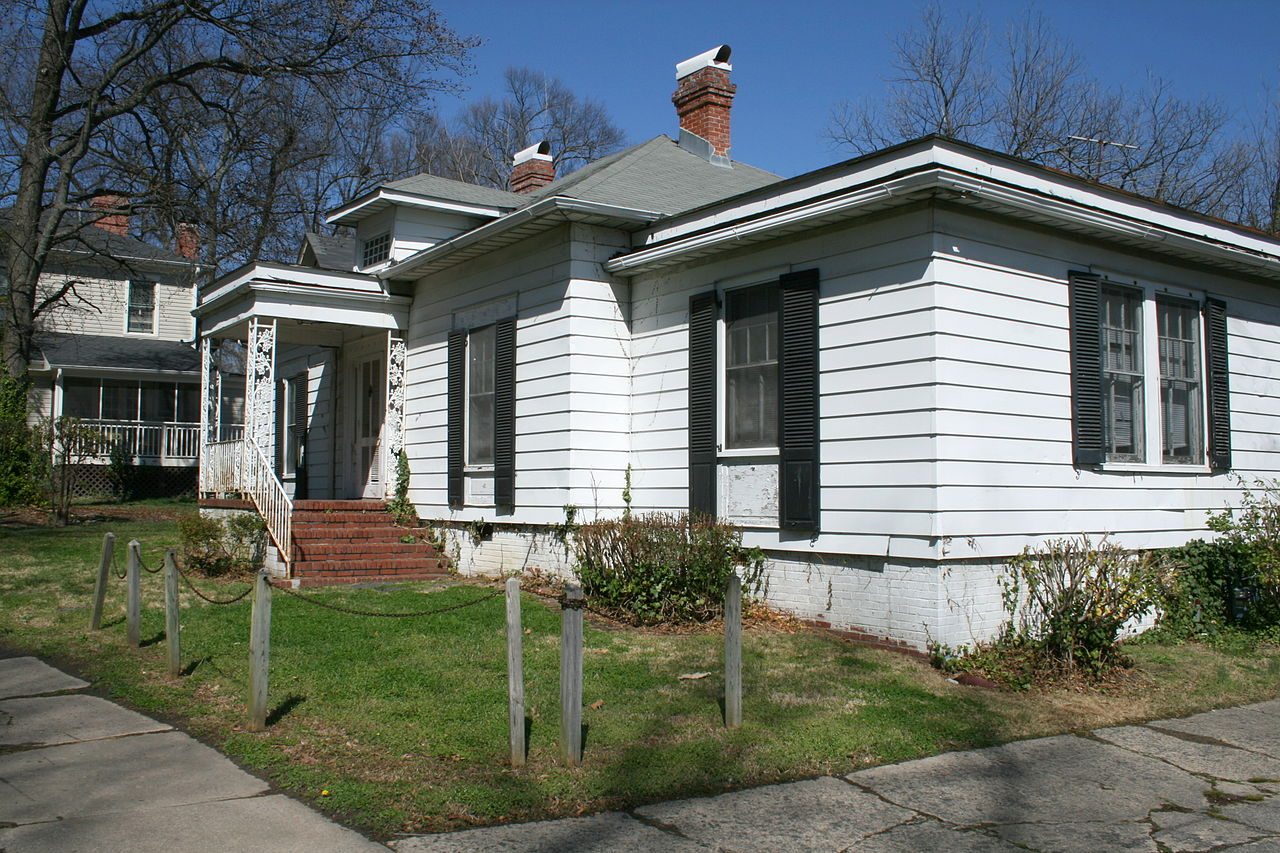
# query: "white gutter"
(563, 205)
(296, 290)
(1065, 211)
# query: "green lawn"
(403, 721)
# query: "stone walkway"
(79, 773)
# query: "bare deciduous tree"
(1036, 101)
(479, 145)
(96, 68)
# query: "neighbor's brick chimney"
(532, 169)
(115, 216)
(704, 96)
(188, 240)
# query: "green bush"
(400, 507)
(217, 548)
(1068, 601)
(661, 567)
(19, 457)
(1232, 582)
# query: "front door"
(370, 408)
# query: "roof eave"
(546, 212)
(382, 198)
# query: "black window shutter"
(504, 414)
(1219, 384)
(799, 494)
(457, 410)
(703, 311)
(300, 440)
(1085, 296)
(281, 401)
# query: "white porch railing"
(168, 442)
(240, 467)
(221, 468)
(269, 496)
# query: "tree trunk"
(29, 238)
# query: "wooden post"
(133, 607)
(571, 676)
(100, 590)
(171, 626)
(515, 673)
(733, 653)
(259, 652)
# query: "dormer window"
(376, 250)
(140, 317)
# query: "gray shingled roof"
(332, 251)
(451, 190)
(65, 350)
(88, 239)
(657, 175)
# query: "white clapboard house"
(115, 348)
(894, 372)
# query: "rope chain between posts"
(115, 566)
(142, 563)
(352, 611)
(201, 595)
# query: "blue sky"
(792, 61)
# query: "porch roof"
(104, 354)
(303, 294)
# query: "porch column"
(393, 428)
(208, 412)
(260, 385)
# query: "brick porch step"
(341, 517)
(364, 577)
(340, 506)
(367, 565)
(326, 549)
(343, 532)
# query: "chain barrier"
(115, 566)
(352, 611)
(191, 586)
(143, 564)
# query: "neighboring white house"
(117, 348)
(894, 372)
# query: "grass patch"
(403, 721)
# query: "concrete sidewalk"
(79, 773)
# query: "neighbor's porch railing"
(166, 442)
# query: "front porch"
(321, 356)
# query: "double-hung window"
(753, 390)
(1150, 384)
(751, 367)
(480, 396)
(481, 410)
(140, 317)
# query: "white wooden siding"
(876, 363)
(97, 306)
(1005, 472)
(572, 369)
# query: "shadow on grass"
(111, 623)
(151, 641)
(282, 710)
(194, 665)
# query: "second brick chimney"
(188, 240)
(532, 169)
(704, 95)
(112, 212)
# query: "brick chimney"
(704, 96)
(532, 169)
(188, 241)
(115, 212)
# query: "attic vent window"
(376, 250)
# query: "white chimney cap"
(717, 57)
(537, 151)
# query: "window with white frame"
(140, 316)
(376, 250)
(1166, 426)
(480, 396)
(751, 367)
